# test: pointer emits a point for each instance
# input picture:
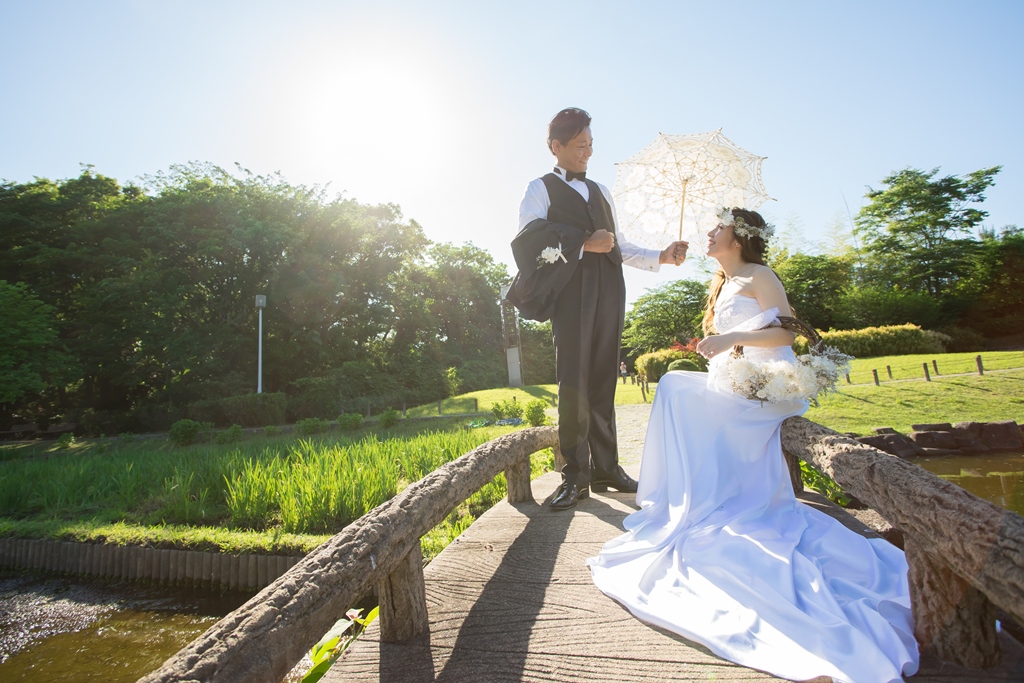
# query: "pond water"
(994, 477)
(59, 629)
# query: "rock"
(893, 444)
(1002, 436)
(939, 451)
(936, 427)
(969, 443)
(885, 430)
(972, 427)
(934, 439)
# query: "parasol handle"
(682, 207)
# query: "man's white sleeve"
(535, 204)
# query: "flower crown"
(739, 226)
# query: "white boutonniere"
(550, 255)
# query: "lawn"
(860, 408)
(482, 401)
(909, 367)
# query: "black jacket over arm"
(536, 286)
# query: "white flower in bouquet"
(811, 375)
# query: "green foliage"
(510, 407)
(272, 430)
(999, 307)
(454, 382)
(31, 353)
(534, 412)
(815, 285)
(150, 291)
(185, 432)
(336, 641)
(66, 441)
(311, 426)
(666, 314)
(537, 352)
(962, 339)
(683, 364)
(248, 410)
(232, 434)
(913, 228)
(823, 484)
(873, 306)
(651, 366)
(348, 422)
(893, 340)
(389, 418)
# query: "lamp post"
(261, 303)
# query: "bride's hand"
(715, 344)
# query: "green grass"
(464, 403)
(275, 495)
(909, 367)
(860, 408)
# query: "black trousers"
(587, 331)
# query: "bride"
(721, 551)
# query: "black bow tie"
(569, 175)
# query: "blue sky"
(441, 107)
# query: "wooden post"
(367, 410)
(643, 391)
(438, 407)
(848, 378)
(981, 368)
(403, 408)
(517, 476)
(874, 373)
(888, 369)
(795, 476)
(935, 367)
(476, 405)
(927, 375)
(950, 615)
(403, 600)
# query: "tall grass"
(315, 485)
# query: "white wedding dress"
(722, 553)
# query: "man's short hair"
(566, 125)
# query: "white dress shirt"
(537, 202)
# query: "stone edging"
(962, 438)
(136, 563)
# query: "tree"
(916, 229)
(669, 313)
(814, 284)
(999, 307)
(31, 355)
(538, 352)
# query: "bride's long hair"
(752, 251)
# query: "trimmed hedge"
(893, 340)
(247, 410)
(651, 366)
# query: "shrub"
(185, 432)
(248, 410)
(230, 435)
(894, 340)
(272, 430)
(651, 366)
(389, 418)
(963, 339)
(683, 364)
(508, 408)
(312, 425)
(66, 440)
(350, 421)
(534, 412)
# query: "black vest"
(569, 207)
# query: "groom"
(588, 311)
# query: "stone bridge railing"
(264, 639)
(966, 554)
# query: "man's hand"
(600, 242)
(674, 253)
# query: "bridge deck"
(511, 600)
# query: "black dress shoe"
(567, 495)
(619, 480)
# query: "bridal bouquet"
(812, 374)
